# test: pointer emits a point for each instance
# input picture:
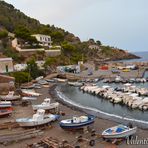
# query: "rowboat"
(77, 122)
(38, 119)
(119, 131)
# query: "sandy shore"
(56, 132)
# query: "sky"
(118, 23)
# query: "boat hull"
(5, 112)
(48, 107)
(76, 125)
(24, 122)
(121, 135)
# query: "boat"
(4, 104)
(29, 98)
(28, 92)
(5, 111)
(60, 80)
(38, 119)
(119, 131)
(77, 122)
(46, 105)
(10, 96)
(77, 84)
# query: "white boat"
(46, 105)
(29, 98)
(60, 80)
(4, 104)
(30, 93)
(119, 131)
(77, 84)
(10, 96)
(38, 119)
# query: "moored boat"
(38, 119)
(77, 84)
(119, 131)
(77, 122)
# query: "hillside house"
(44, 40)
(94, 47)
(6, 65)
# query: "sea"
(74, 95)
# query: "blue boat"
(77, 122)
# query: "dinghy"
(10, 96)
(38, 119)
(77, 122)
(119, 131)
(46, 105)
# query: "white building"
(6, 65)
(44, 40)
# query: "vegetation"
(33, 69)
(3, 34)
(73, 49)
(21, 77)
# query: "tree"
(33, 69)
(22, 32)
(21, 77)
(98, 42)
(3, 34)
(57, 37)
(68, 48)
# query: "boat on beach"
(5, 111)
(4, 104)
(38, 119)
(28, 92)
(77, 122)
(10, 96)
(46, 105)
(119, 131)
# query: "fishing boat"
(46, 105)
(10, 96)
(119, 131)
(28, 92)
(77, 122)
(38, 119)
(29, 98)
(5, 111)
(4, 104)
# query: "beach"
(56, 132)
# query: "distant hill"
(73, 49)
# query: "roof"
(6, 59)
(40, 35)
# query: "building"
(6, 65)
(94, 47)
(44, 40)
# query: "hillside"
(73, 49)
